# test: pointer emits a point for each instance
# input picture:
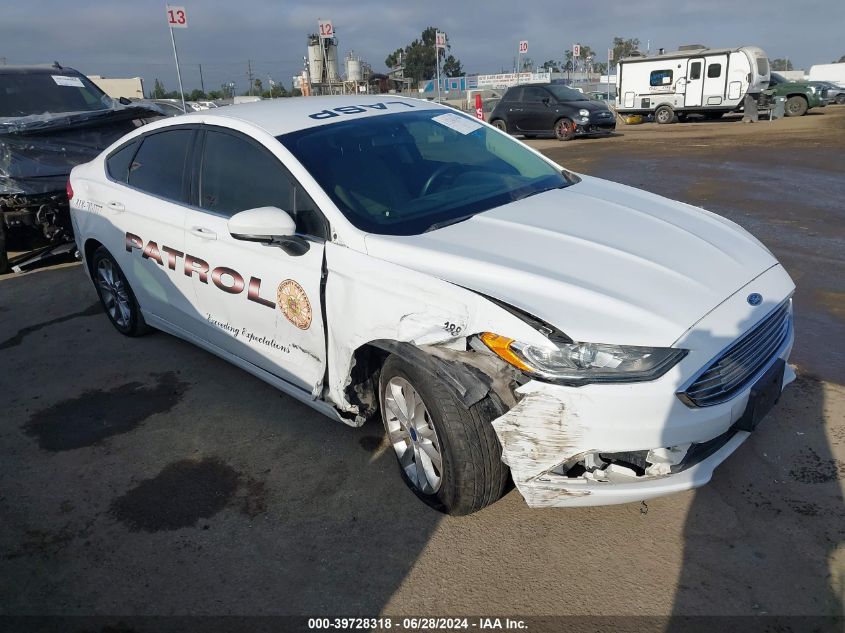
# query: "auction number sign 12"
(177, 18)
(326, 28)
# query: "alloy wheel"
(113, 292)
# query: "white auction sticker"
(62, 80)
(457, 122)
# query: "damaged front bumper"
(603, 444)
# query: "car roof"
(290, 114)
(42, 69)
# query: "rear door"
(695, 82)
(143, 213)
(255, 301)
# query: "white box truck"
(834, 73)
(692, 80)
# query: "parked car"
(597, 95)
(168, 107)
(391, 259)
(800, 96)
(51, 118)
(832, 93)
(549, 109)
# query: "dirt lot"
(147, 477)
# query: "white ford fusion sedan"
(383, 257)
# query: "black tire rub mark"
(18, 338)
(186, 491)
(93, 416)
(810, 468)
(371, 443)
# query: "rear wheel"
(840, 99)
(664, 114)
(116, 296)
(796, 105)
(564, 130)
(499, 124)
(448, 454)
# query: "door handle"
(114, 205)
(202, 232)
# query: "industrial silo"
(353, 68)
(315, 59)
(331, 61)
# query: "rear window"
(118, 163)
(762, 66)
(23, 94)
(160, 163)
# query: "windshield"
(26, 94)
(405, 173)
(562, 93)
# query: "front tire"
(116, 295)
(448, 454)
(664, 115)
(564, 130)
(796, 106)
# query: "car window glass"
(160, 162)
(514, 94)
(695, 70)
(660, 77)
(24, 94)
(762, 65)
(118, 163)
(535, 95)
(714, 70)
(236, 175)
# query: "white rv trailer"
(835, 73)
(692, 80)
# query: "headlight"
(582, 363)
(813, 89)
(584, 112)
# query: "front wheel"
(116, 295)
(448, 454)
(564, 130)
(796, 106)
(664, 114)
(839, 100)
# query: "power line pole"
(202, 84)
(249, 74)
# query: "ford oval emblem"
(755, 299)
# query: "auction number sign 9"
(326, 28)
(177, 18)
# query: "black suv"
(51, 118)
(535, 109)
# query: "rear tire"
(840, 99)
(796, 105)
(470, 474)
(564, 130)
(499, 124)
(116, 295)
(664, 115)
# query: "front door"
(714, 80)
(537, 113)
(695, 82)
(256, 300)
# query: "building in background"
(131, 88)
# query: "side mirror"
(268, 225)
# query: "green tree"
(552, 66)
(452, 67)
(841, 60)
(196, 95)
(781, 64)
(624, 48)
(158, 90)
(419, 58)
(573, 63)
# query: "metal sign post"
(439, 42)
(523, 48)
(609, 59)
(177, 18)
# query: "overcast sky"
(126, 38)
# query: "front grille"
(731, 372)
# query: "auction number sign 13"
(326, 28)
(177, 18)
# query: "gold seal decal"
(294, 304)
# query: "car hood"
(588, 104)
(602, 262)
